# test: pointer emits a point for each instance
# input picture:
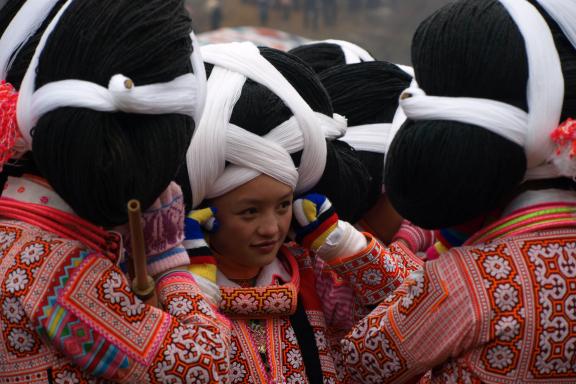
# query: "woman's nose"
(269, 226)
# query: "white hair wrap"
(352, 52)
(503, 119)
(545, 90)
(25, 23)
(377, 137)
(368, 137)
(183, 95)
(216, 141)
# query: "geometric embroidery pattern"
(504, 312)
(284, 356)
(371, 353)
(186, 350)
(8, 236)
(182, 299)
(105, 307)
(68, 316)
(499, 273)
(21, 340)
(259, 302)
(326, 354)
(376, 272)
(70, 374)
(245, 362)
(553, 268)
(283, 353)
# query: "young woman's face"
(254, 221)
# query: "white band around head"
(183, 95)
(352, 52)
(121, 95)
(500, 118)
(545, 90)
(249, 154)
(369, 137)
(375, 138)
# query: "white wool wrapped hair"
(25, 23)
(216, 141)
(352, 52)
(375, 137)
(545, 92)
(183, 95)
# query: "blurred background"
(383, 27)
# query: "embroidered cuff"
(182, 297)
(375, 272)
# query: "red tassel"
(8, 124)
(563, 135)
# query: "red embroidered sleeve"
(375, 272)
(83, 305)
(428, 319)
(181, 297)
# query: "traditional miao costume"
(67, 313)
(286, 328)
(499, 308)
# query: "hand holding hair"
(315, 220)
(318, 228)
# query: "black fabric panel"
(307, 342)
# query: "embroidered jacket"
(67, 314)
(500, 309)
(302, 311)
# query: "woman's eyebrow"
(249, 201)
(286, 196)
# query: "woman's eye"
(249, 212)
(285, 204)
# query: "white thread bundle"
(217, 141)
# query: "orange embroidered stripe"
(443, 298)
(469, 283)
(394, 326)
(343, 260)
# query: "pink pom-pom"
(8, 124)
(565, 139)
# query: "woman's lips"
(265, 246)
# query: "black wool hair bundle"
(98, 161)
(367, 93)
(443, 173)
(320, 56)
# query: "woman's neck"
(234, 271)
(382, 220)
